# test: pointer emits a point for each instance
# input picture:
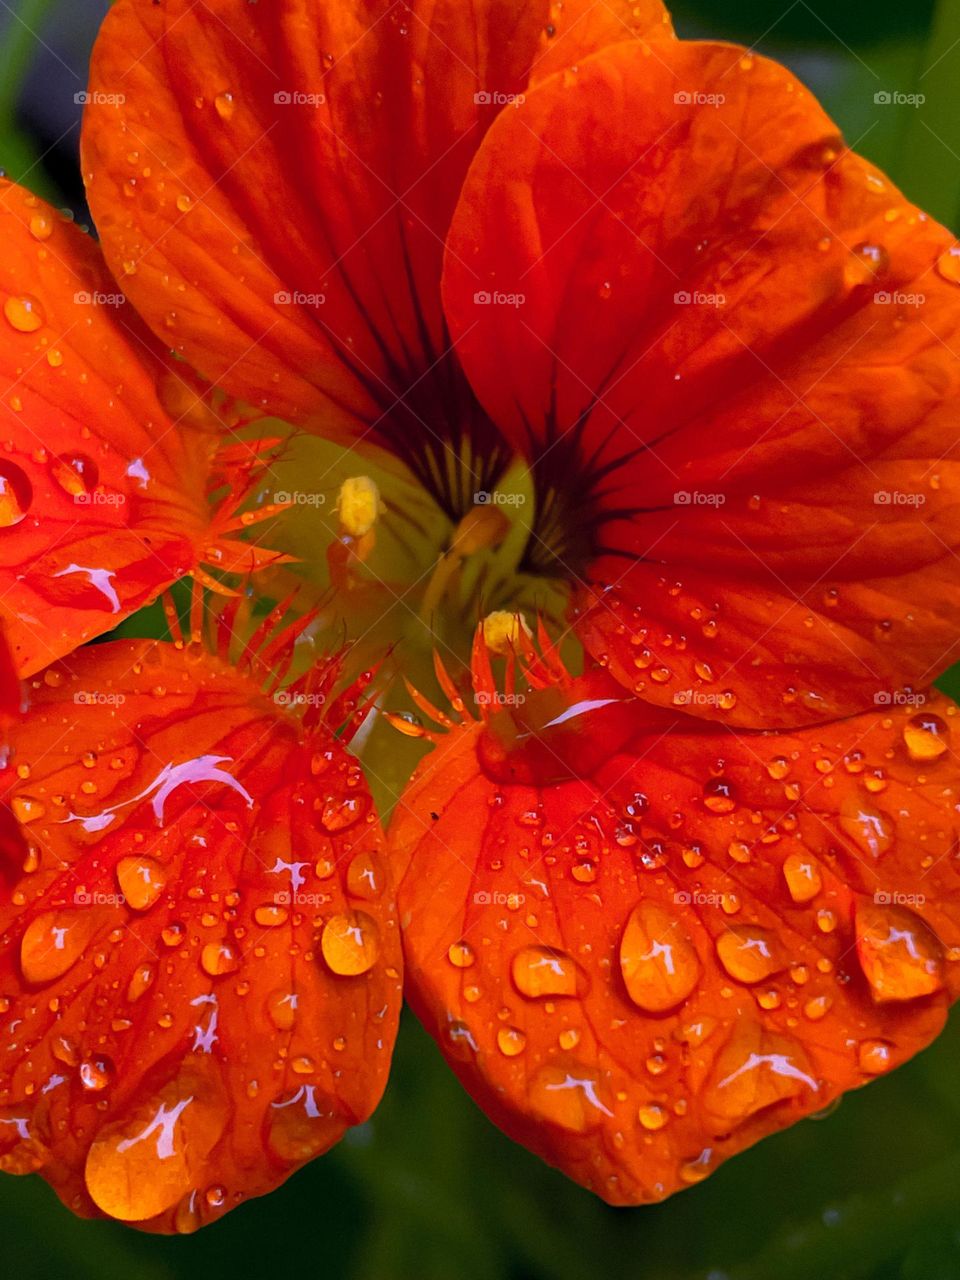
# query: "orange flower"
(651, 912)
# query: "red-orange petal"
(641, 970)
(741, 339)
(199, 951)
(359, 122)
(103, 493)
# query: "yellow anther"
(358, 505)
(504, 632)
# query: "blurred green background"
(429, 1189)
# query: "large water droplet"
(926, 737)
(350, 943)
(54, 942)
(749, 953)
(660, 965)
(542, 972)
(570, 1096)
(302, 1124)
(23, 312)
(900, 956)
(16, 494)
(141, 881)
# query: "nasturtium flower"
(556, 424)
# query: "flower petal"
(358, 121)
(702, 938)
(199, 954)
(102, 494)
(742, 340)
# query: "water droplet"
(282, 1009)
(868, 828)
(23, 312)
(803, 878)
(96, 1073)
(660, 965)
(541, 972)
(875, 1056)
(350, 943)
(948, 264)
(755, 1069)
(719, 796)
(41, 226)
(27, 809)
(900, 956)
(461, 954)
(219, 958)
(225, 105)
(16, 494)
(926, 737)
(141, 881)
(653, 1117)
(511, 1041)
(569, 1096)
(750, 953)
(864, 264)
(342, 812)
(76, 474)
(302, 1124)
(54, 942)
(364, 878)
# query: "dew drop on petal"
(750, 953)
(461, 954)
(568, 1095)
(16, 494)
(23, 312)
(301, 1124)
(350, 943)
(948, 264)
(219, 958)
(542, 972)
(926, 737)
(511, 1041)
(900, 956)
(141, 881)
(719, 796)
(660, 965)
(54, 942)
(75, 473)
(803, 878)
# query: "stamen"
(358, 505)
(502, 631)
(482, 528)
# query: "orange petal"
(698, 939)
(742, 340)
(359, 122)
(102, 495)
(199, 951)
